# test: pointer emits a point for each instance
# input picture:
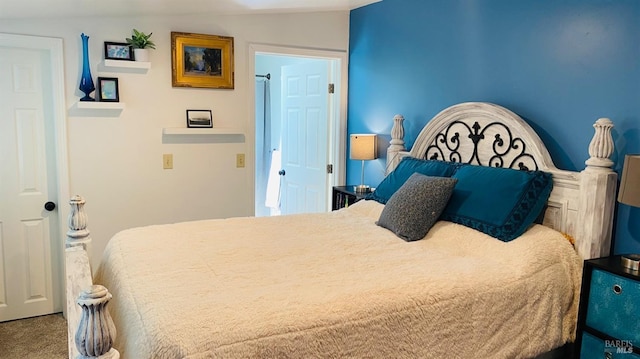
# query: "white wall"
(116, 162)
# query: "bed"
(339, 285)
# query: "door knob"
(49, 206)
(282, 172)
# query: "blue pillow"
(404, 170)
(500, 202)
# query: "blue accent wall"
(560, 64)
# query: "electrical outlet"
(240, 160)
(167, 161)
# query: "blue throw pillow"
(415, 207)
(404, 170)
(500, 202)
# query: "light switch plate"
(167, 161)
(240, 160)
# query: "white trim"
(56, 51)
(338, 148)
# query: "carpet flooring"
(43, 337)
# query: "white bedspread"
(335, 285)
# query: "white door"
(26, 184)
(305, 129)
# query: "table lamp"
(363, 147)
(630, 194)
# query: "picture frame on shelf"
(204, 61)
(107, 89)
(118, 51)
(199, 119)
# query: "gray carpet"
(42, 337)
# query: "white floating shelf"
(97, 105)
(124, 64)
(200, 131)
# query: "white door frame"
(55, 49)
(338, 127)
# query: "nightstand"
(609, 314)
(343, 196)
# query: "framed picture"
(108, 89)
(199, 60)
(118, 51)
(199, 118)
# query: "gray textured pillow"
(415, 207)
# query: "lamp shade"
(630, 183)
(363, 147)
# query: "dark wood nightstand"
(343, 196)
(609, 314)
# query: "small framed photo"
(199, 118)
(118, 51)
(108, 89)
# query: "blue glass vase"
(86, 82)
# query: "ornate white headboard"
(581, 203)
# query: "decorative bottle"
(86, 82)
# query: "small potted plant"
(141, 44)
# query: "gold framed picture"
(199, 60)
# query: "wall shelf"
(124, 64)
(200, 131)
(96, 109)
(97, 105)
(201, 135)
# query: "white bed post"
(78, 234)
(598, 184)
(77, 266)
(90, 330)
(396, 145)
(96, 331)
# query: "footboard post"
(598, 184)
(78, 234)
(96, 331)
(88, 321)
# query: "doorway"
(300, 126)
(34, 182)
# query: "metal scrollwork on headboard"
(504, 150)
